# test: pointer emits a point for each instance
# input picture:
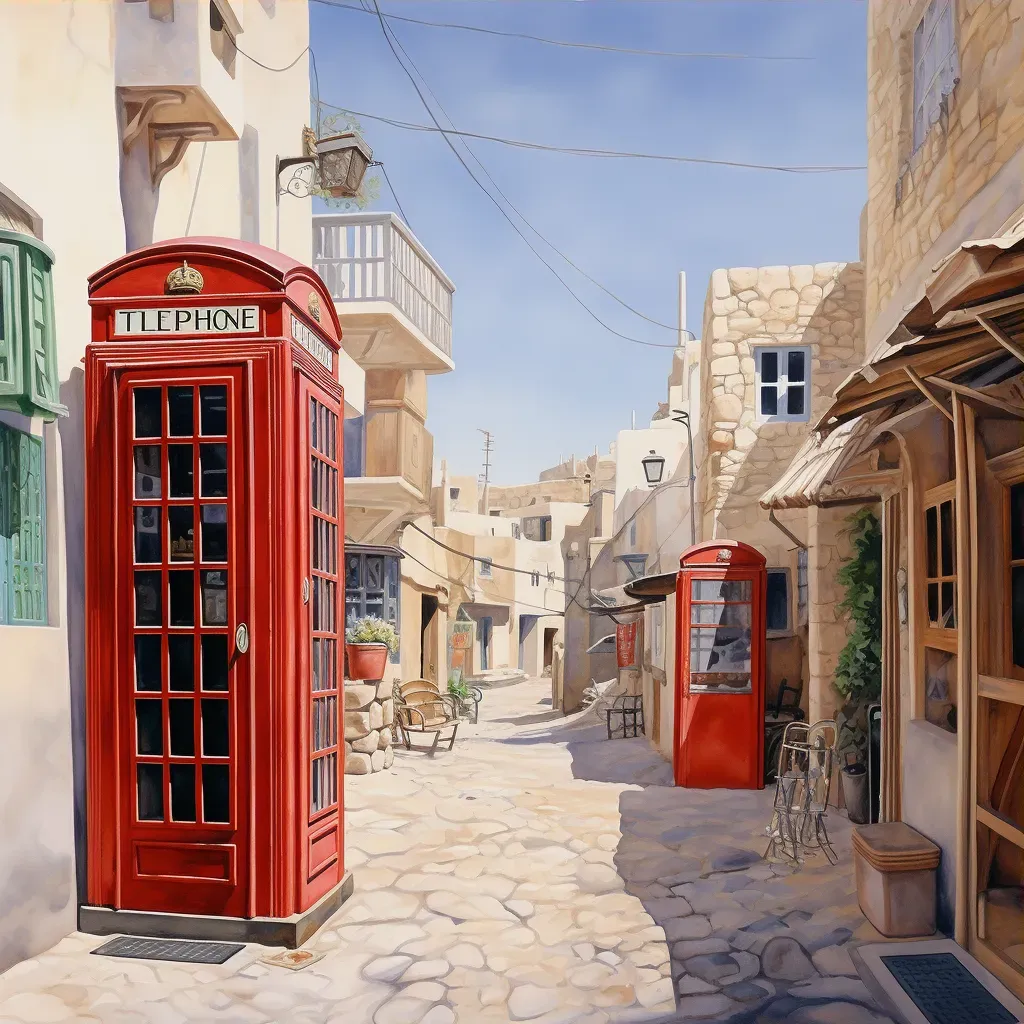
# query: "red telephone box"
(720, 666)
(214, 521)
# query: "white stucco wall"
(61, 156)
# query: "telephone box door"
(184, 545)
(320, 423)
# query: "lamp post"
(682, 416)
(654, 468)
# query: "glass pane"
(769, 400)
(181, 662)
(181, 584)
(720, 659)
(940, 688)
(180, 522)
(180, 418)
(722, 590)
(777, 603)
(1017, 613)
(796, 368)
(179, 465)
(215, 533)
(215, 661)
(147, 412)
(213, 470)
(352, 571)
(948, 619)
(1017, 521)
(795, 400)
(931, 518)
(769, 367)
(933, 603)
(1001, 911)
(375, 573)
(151, 792)
(213, 410)
(147, 533)
(215, 597)
(948, 534)
(183, 792)
(147, 662)
(183, 729)
(148, 606)
(216, 796)
(147, 471)
(720, 614)
(215, 728)
(149, 737)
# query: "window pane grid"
(182, 469)
(783, 377)
(940, 565)
(22, 529)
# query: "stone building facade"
(816, 310)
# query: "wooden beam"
(974, 397)
(1002, 337)
(927, 392)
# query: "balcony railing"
(363, 257)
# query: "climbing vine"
(858, 675)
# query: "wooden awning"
(962, 330)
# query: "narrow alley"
(536, 872)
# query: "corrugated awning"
(655, 587)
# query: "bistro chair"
(628, 710)
(421, 708)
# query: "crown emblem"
(314, 306)
(184, 280)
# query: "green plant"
(458, 689)
(372, 630)
(858, 676)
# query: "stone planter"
(369, 726)
(366, 661)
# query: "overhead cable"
(633, 51)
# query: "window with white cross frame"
(783, 383)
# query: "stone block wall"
(916, 197)
(369, 727)
(819, 306)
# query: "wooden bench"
(420, 707)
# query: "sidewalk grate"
(174, 950)
(945, 991)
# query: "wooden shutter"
(10, 320)
(42, 387)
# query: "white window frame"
(782, 383)
(485, 568)
(936, 65)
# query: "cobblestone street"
(537, 872)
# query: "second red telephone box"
(214, 524)
(720, 667)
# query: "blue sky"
(531, 365)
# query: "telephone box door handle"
(242, 638)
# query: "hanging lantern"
(343, 160)
(654, 467)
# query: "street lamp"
(682, 416)
(654, 468)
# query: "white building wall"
(61, 156)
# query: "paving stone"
(693, 927)
(749, 991)
(530, 1001)
(699, 947)
(388, 968)
(439, 1015)
(465, 954)
(834, 960)
(689, 985)
(704, 1007)
(783, 959)
(424, 970)
(584, 950)
(732, 859)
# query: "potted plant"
(858, 678)
(368, 642)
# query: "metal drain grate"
(175, 950)
(945, 991)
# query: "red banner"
(625, 644)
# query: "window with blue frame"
(355, 445)
(372, 585)
(22, 529)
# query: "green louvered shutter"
(42, 386)
(10, 320)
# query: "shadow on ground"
(751, 942)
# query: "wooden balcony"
(398, 445)
(394, 301)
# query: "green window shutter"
(10, 320)
(42, 386)
(23, 532)
(6, 495)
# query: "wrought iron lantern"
(654, 467)
(342, 160)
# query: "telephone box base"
(289, 932)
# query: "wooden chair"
(420, 707)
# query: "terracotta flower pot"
(367, 661)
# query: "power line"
(562, 42)
(394, 194)
(501, 209)
(606, 153)
(267, 67)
